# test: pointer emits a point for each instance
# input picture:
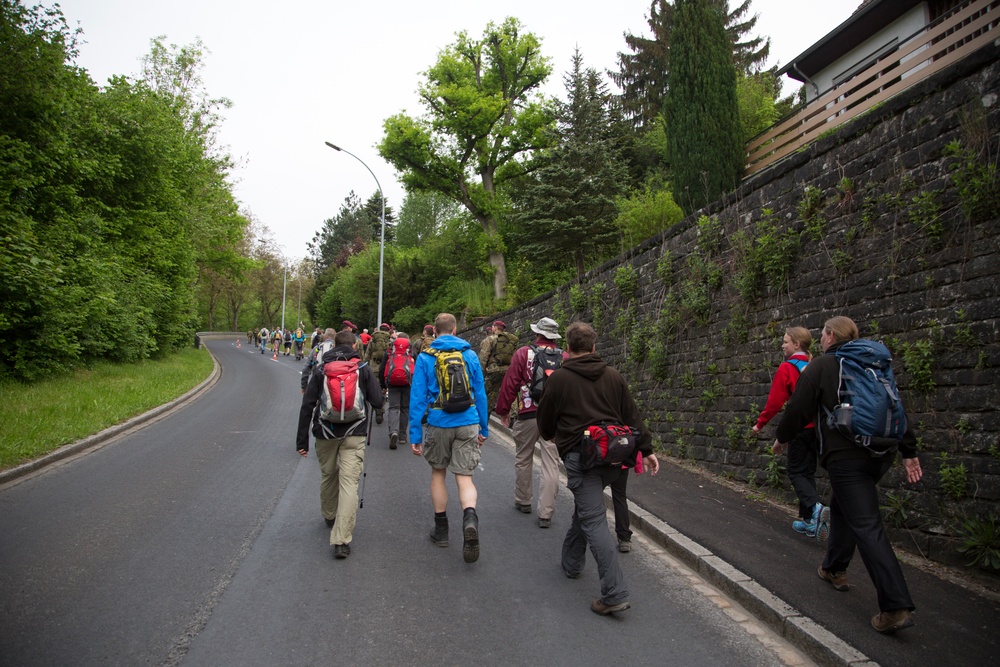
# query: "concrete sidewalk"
(744, 545)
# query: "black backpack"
(547, 360)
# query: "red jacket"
(782, 388)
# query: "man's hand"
(505, 420)
(651, 463)
(417, 448)
(304, 452)
(481, 439)
(913, 470)
(778, 448)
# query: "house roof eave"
(866, 21)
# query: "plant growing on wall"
(977, 179)
(627, 281)
(954, 478)
(981, 542)
(810, 211)
(918, 358)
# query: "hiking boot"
(470, 533)
(573, 575)
(439, 536)
(379, 414)
(329, 522)
(888, 622)
(837, 579)
(822, 519)
(598, 607)
(524, 509)
(624, 546)
(544, 523)
(393, 440)
(341, 550)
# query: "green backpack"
(378, 346)
(504, 348)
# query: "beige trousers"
(341, 462)
(525, 436)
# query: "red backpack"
(343, 401)
(399, 368)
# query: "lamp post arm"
(381, 253)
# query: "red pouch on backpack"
(608, 445)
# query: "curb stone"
(104, 437)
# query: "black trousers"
(620, 502)
(855, 521)
(802, 455)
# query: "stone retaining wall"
(875, 228)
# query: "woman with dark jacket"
(855, 520)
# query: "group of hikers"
(578, 410)
(278, 339)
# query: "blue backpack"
(868, 410)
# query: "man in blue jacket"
(457, 426)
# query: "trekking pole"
(364, 468)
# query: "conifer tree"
(568, 207)
(642, 74)
(704, 143)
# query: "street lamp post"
(284, 290)
(381, 252)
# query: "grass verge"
(40, 417)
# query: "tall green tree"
(567, 209)
(704, 140)
(642, 74)
(484, 118)
(111, 206)
(422, 215)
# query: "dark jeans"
(802, 453)
(589, 525)
(855, 521)
(620, 501)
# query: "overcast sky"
(306, 72)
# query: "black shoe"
(378, 416)
(470, 533)
(329, 522)
(439, 536)
(341, 550)
(393, 440)
(524, 509)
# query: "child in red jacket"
(802, 450)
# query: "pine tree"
(642, 74)
(704, 144)
(568, 208)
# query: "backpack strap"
(799, 364)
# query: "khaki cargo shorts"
(456, 448)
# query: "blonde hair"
(801, 337)
(842, 328)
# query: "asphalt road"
(198, 540)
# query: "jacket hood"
(340, 352)
(589, 366)
(449, 342)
